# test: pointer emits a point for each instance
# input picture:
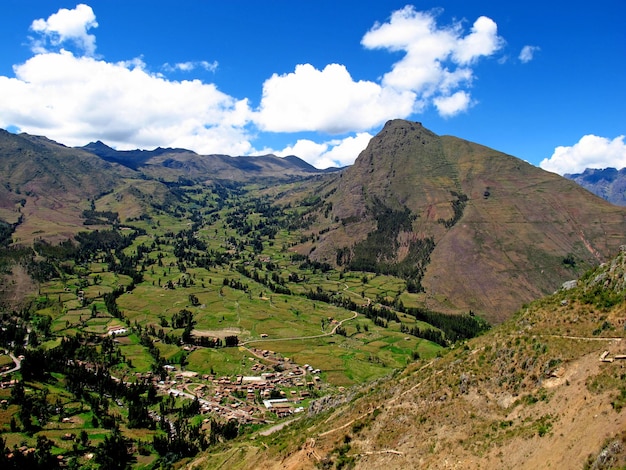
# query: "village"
(276, 391)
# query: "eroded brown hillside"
(505, 232)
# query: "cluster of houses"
(279, 390)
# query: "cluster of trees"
(93, 217)
(275, 283)
(458, 206)
(454, 327)
(377, 253)
(436, 336)
(92, 383)
(39, 459)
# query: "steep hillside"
(472, 227)
(46, 186)
(608, 183)
(543, 390)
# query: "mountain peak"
(482, 213)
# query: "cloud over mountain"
(591, 151)
(66, 91)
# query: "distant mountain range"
(168, 163)
(608, 183)
(45, 186)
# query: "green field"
(197, 290)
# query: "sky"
(540, 80)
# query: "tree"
(84, 438)
(114, 453)
(43, 453)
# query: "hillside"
(45, 186)
(471, 227)
(608, 183)
(186, 309)
(467, 227)
(543, 390)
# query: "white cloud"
(305, 149)
(482, 41)
(590, 151)
(436, 65)
(344, 152)
(327, 100)
(66, 26)
(452, 105)
(78, 99)
(335, 153)
(528, 53)
(437, 59)
(191, 66)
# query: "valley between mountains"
(438, 304)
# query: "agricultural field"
(163, 334)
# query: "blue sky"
(540, 80)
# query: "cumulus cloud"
(454, 104)
(528, 53)
(66, 26)
(590, 151)
(326, 100)
(334, 153)
(437, 60)
(119, 103)
(482, 41)
(436, 64)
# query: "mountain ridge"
(608, 183)
(189, 164)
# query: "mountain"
(467, 227)
(545, 389)
(46, 186)
(458, 227)
(171, 164)
(608, 183)
(471, 227)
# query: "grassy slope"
(531, 393)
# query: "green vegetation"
(378, 252)
(134, 319)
